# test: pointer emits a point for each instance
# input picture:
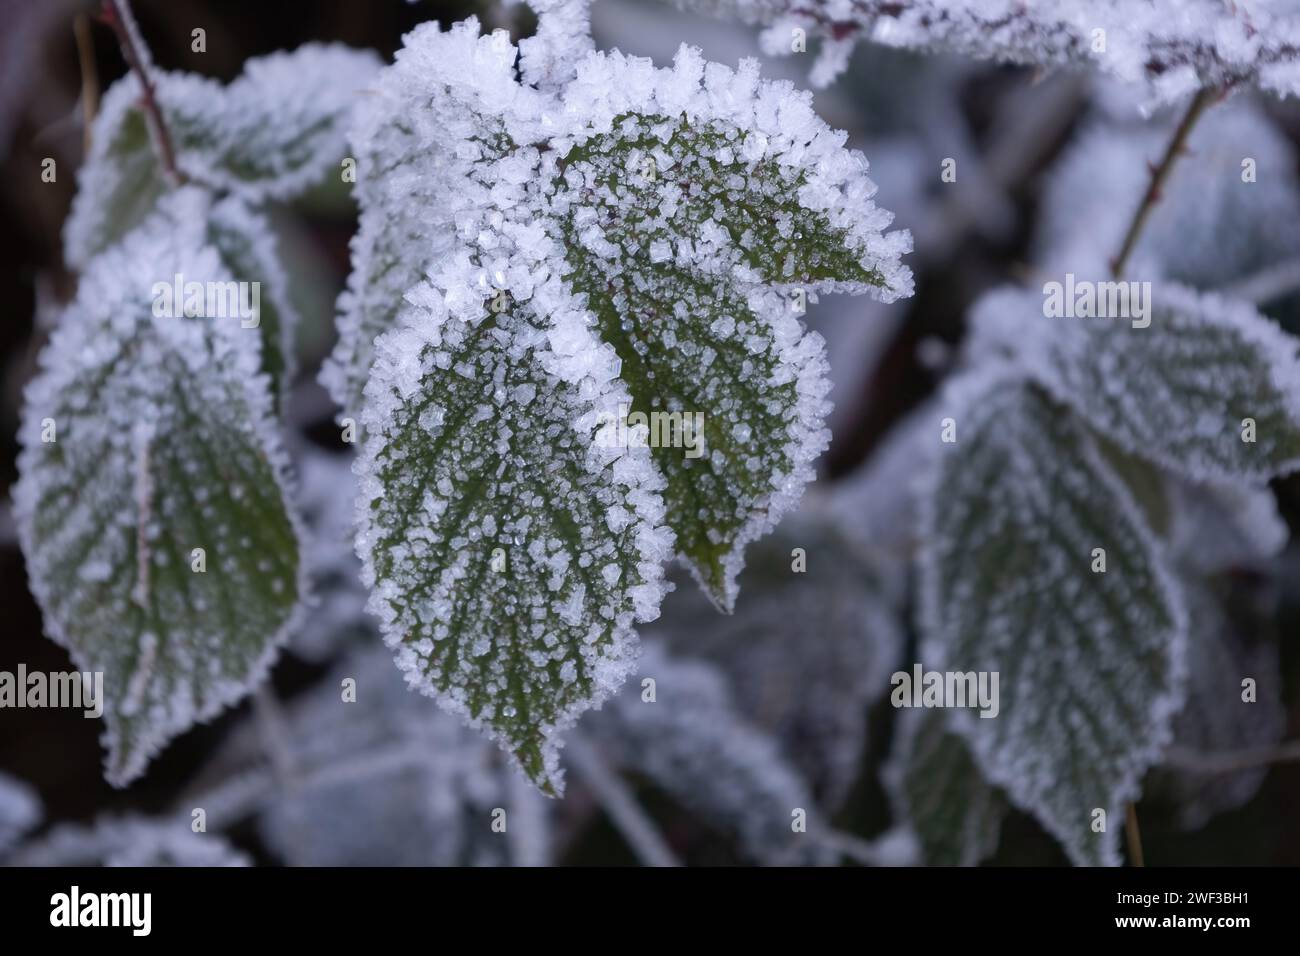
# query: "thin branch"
(1160, 173)
(89, 77)
(274, 734)
(619, 804)
(1268, 284)
(117, 14)
(1133, 835)
(1234, 761)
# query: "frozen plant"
(556, 241)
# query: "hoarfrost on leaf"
(1209, 388)
(272, 133)
(165, 443)
(1171, 46)
(1090, 664)
(623, 243)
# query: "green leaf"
(676, 240)
(1188, 391)
(275, 131)
(937, 790)
(145, 437)
(509, 552)
(1090, 663)
(246, 241)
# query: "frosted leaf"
(246, 242)
(20, 811)
(808, 652)
(1178, 391)
(681, 207)
(272, 133)
(1169, 45)
(484, 523)
(1209, 228)
(131, 841)
(693, 744)
(400, 782)
(164, 443)
(936, 790)
(1225, 645)
(1090, 664)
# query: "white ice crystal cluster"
(538, 255)
(1171, 46)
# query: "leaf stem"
(117, 14)
(1133, 835)
(1202, 101)
(89, 77)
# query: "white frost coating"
(1092, 665)
(1178, 391)
(272, 133)
(217, 479)
(20, 811)
(247, 243)
(1172, 46)
(131, 841)
(692, 742)
(563, 37)
(612, 209)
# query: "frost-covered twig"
(1233, 761)
(1133, 835)
(275, 735)
(619, 804)
(1160, 173)
(888, 850)
(117, 14)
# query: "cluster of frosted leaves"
(630, 240)
(1177, 392)
(693, 744)
(1091, 664)
(1209, 228)
(807, 652)
(20, 811)
(130, 841)
(392, 780)
(164, 442)
(272, 133)
(937, 791)
(1228, 641)
(1172, 46)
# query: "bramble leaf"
(1090, 662)
(152, 499)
